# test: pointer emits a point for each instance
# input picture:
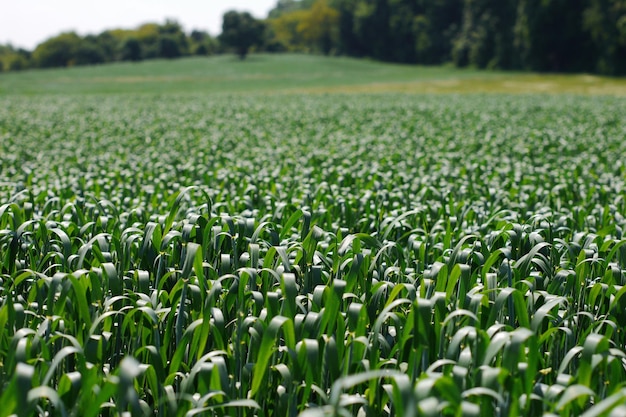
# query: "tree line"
(538, 35)
(151, 40)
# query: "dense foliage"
(555, 35)
(379, 256)
(240, 31)
(151, 40)
(536, 35)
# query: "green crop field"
(295, 74)
(313, 247)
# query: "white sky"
(26, 23)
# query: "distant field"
(293, 236)
(293, 74)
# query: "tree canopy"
(150, 40)
(241, 31)
(538, 35)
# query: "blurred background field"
(294, 73)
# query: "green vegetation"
(264, 73)
(148, 41)
(536, 35)
(241, 31)
(283, 254)
(292, 73)
(569, 36)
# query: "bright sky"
(25, 23)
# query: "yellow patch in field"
(515, 84)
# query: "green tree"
(549, 36)
(605, 22)
(201, 43)
(485, 39)
(148, 36)
(371, 27)
(89, 52)
(401, 27)
(348, 42)
(314, 29)
(286, 30)
(436, 26)
(169, 46)
(241, 31)
(131, 50)
(289, 6)
(172, 41)
(58, 51)
(109, 45)
(12, 59)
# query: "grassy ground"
(293, 74)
